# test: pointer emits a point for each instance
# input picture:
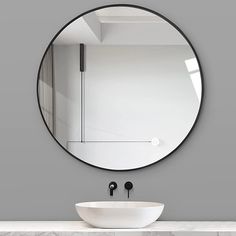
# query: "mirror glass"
(120, 87)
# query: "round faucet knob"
(128, 185)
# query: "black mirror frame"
(171, 23)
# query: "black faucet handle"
(112, 187)
(128, 186)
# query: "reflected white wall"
(132, 93)
(67, 93)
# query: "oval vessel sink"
(119, 214)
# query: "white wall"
(132, 93)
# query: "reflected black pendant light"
(82, 88)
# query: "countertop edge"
(81, 226)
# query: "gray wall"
(39, 181)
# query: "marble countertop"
(81, 226)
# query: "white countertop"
(80, 226)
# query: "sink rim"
(119, 204)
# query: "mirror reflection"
(120, 88)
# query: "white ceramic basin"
(119, 214)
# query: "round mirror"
(120, 87)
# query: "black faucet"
(112, 187)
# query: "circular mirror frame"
(172, 24)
